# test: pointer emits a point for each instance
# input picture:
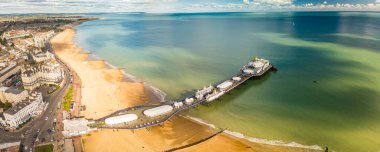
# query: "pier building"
(151, 115)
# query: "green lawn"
(67, 99)
(45, 148)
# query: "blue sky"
(159, 6)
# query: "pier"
(151, 115)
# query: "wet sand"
(104, 90)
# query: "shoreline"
(84, 64)
(155, 95)
(234, 134)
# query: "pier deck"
(144, 121)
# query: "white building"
(201, 93)
(160, 110)
(35, 76)
(237, 79)
(214, 95)
(12, 95)
(76, 127)
(39, 41)
(178, 104)
(258, 66)
(225, 85)
(10, 69)
(189, 100)
(43, 56)
(24, 110)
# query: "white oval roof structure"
(158, 110)
(120, 119)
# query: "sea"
(325, 92)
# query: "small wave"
(257, 140)
(159, 93)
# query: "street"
(36, 131)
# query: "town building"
(43, 56)
(76, 127)
(12, 95)
(2, 120)
(37, 75)
(40, 40)
(24, 110)
(9, 70)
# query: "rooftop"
(13, 90)
(17, 107)
(22, 104)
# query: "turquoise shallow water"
(326, 91)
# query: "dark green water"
(326, 91)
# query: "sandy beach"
(105, 90)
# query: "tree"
(3, 41)
(5, 105)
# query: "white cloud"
(377, 1)
(148, 1)
(167, 6)
(273, 2)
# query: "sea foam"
(257, 140)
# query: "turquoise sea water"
(326, 91)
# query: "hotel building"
(24, 110)
(12, 95)
(37, 75)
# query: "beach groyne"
(195, 143)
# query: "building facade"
(43, 56)
(12, 95)
(11, 69)
(24, 110)
(35, 76)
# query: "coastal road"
(39, 131)
(36, 132)
(39, 126)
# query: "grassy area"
(3, 41)
(20, 126)
(100, 124)
(68, 99)
(45, 148)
